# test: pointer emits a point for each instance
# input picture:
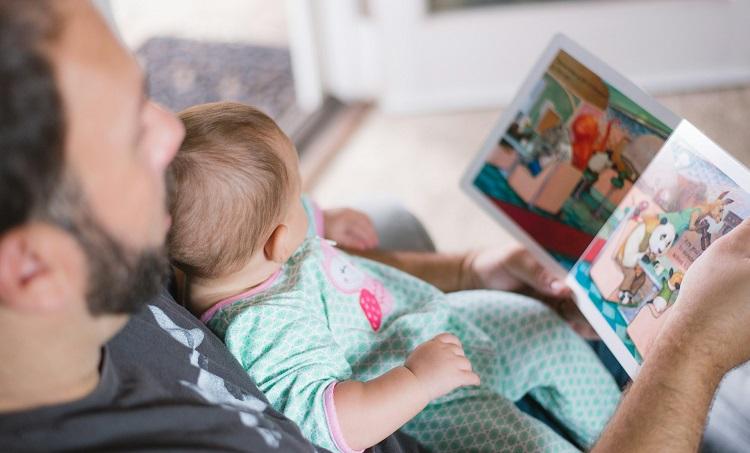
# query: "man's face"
(118, 142)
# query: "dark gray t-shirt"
(167, 383)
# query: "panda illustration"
(651, 238)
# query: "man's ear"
(276, 249)
(29, 280)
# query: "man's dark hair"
(32, 127)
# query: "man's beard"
(120, 279)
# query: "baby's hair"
(229, 186)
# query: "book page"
(566, 153)
(691, 194)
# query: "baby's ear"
(276, 248)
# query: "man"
(82, 158)
(83, 154)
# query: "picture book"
(609, 190)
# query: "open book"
(609, 190)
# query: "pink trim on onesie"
(333, 421)
(208, 314)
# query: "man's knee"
(397, 227)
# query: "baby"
(348, 348)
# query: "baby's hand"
(350, 229)
(441, 365)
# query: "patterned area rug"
(183, 72)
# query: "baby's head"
(235, 198)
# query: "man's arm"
(503, 268)
(665, 409)
(705, 336)
(446, 271)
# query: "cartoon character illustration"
(691, 218)
(667, 295)
(519, 133)
(628, 288)
(716, 209)
(586, 141)
(599, 162)
(652, 237)
(374, 299)
(341, 272)
(710, 221)
(551, 145)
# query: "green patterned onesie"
(327, 317)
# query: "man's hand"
(350, 229)
(711, 316)
(517, 270)
(441, 365)
(705, 336)
(510, 270)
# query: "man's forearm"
(368, 412)
(665, 409)
(446, 271)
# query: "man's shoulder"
(167, 383)
(164, 334)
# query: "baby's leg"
(482, 423)
(534, 351)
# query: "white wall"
(478, 57)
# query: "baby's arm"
(286, 346)
(348, 227)
(370, 411)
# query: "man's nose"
(169, 136)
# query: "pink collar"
(208, 314)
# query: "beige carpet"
(419, 160)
